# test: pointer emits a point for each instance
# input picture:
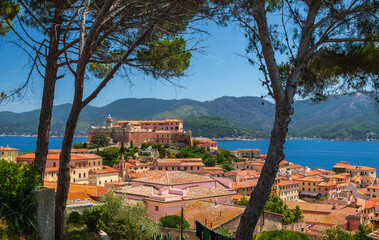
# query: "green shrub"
(16, 179)
(281, 235)
(226, 167)
(17, 183)
(92, 218)
(173, 221)
(123, 221)
(74, 217)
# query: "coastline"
(221, 139)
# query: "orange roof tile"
(8, 149)
(106, 169)
(91, 190)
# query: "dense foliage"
(74, 217)
(173, 221)
(337, 233)
(276, 205)
(17, 183)
(353, 116)
(212, 127)
(120, 220)
(281, 235)
(223, 156)
(100, 140)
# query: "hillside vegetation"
(346, 117)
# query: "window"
(79, 165)
(80, 175)
(84, 175)
(89, 164)
(198, 168)
(156, 208)
(185, 168)
(94, 163)
(2, 153)
(99, 182)
(160, 168)
(9, 153)
(98, 163)
(54, 164)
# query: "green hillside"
(344, 117)
(218, 128)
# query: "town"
(160, 165)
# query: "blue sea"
(312, 153)
(318, 153)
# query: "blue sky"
(221, 71)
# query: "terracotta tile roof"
(244, 184)
(144, 191)
(91, 190)
(327, 184)
(77, 196)
(58, 151)
(230, 174)
(314, 207)
(295, 166)
(217, 215)
(373, 187)
(310, 179)
(106, 169)
(361, 168)
(7, 148)
(173, 178)
(362, 191)
(341, 164)
(202, 192)
(52, 169)
(50, 157)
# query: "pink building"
(156, 125)
(166, 192)
(190, 165)
(327, 189)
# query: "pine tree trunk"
(64, 172)
(262, 191)
(48, 95)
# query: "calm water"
(318, 153)
(28, 144)
(312, 153)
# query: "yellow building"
(8, 153)
(308, 185)
(103, 176)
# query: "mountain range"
(341, 117)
